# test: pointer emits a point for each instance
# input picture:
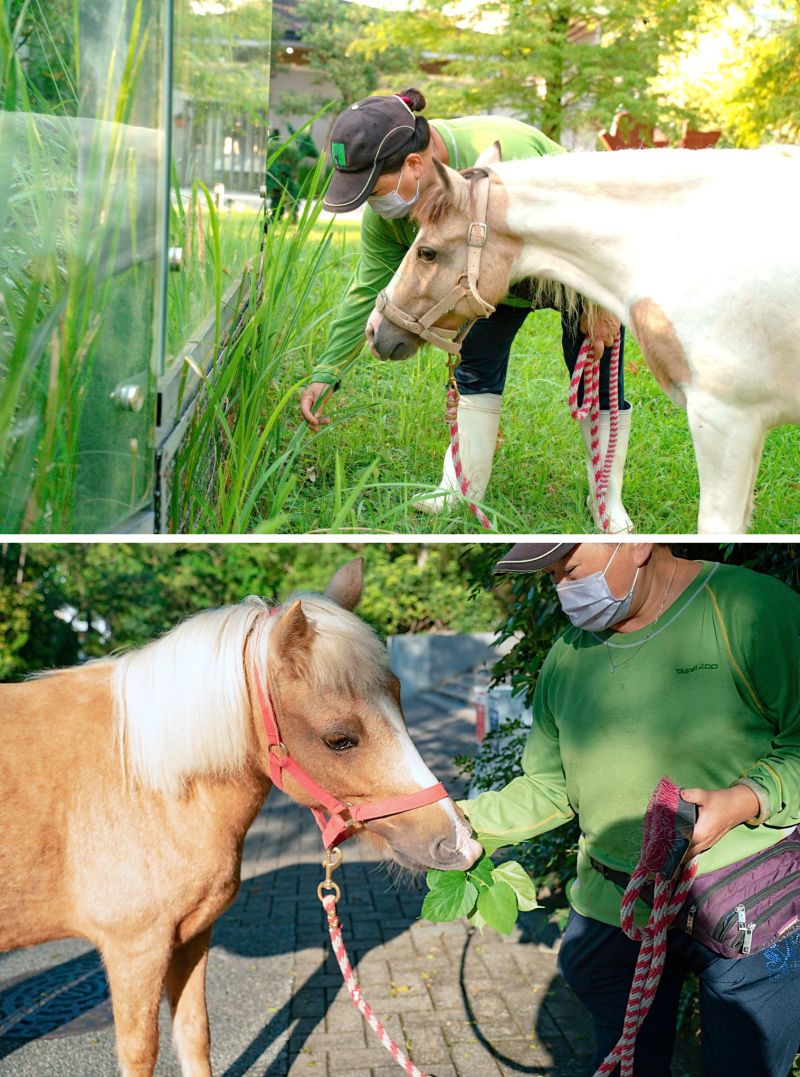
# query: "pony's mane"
(181, 703)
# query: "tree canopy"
(569, 66)
(126, 594)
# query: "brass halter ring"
(333, 860)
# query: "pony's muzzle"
(460, 853)
(389, 341)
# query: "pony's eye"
(340, 742)
(427, 254)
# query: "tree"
(222, 52)
(125, 595)
(330, 31)
(557, 64)
(741, 72)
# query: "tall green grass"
(232, 463)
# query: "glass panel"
(220, 133)
(82, 195)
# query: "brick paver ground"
(462, 1004)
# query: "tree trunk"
(552, 108)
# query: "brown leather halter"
(425, 326)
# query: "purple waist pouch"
(749, 905)
(742, 908)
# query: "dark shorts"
(749, 1006)
(487, 346)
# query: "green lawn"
(389, 437)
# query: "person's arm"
(762, 633)
(382, 251)
(535, 802)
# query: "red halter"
(334, 828)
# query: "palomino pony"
(128, 786)
(697, 252)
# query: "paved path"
(462, 1004)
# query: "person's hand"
(316, 391)
(602, 327)
(719, 810)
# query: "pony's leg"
(136, 979)
(727, 442)
(186, 993)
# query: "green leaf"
(451, 898)
(520, 882)
(498, 906)
(481, 872)
(434, 877)
(476, 919)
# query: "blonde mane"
(181, 703)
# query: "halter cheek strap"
(425, 326)
(330, 817)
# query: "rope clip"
(333, 860)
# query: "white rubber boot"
(619, 520)
(478, 423)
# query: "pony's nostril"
(399, 351)
(450, 853)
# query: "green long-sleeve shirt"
(384, 243)
(712, 696)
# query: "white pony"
(697, 252)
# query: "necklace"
(652, 629)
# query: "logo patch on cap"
(337, 153)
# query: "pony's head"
(188, 706)
(437, 260)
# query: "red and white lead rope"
(669, 896)
(587, 370)
(335, 929)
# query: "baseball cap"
(532, 556)
(364, 135)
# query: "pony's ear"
(490, 156)
(293, 637)
(347, 584)
(444, 173)
(453, 188)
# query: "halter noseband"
(329, 818)
(424, 326)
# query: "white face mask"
(393, 204)
(588, 602)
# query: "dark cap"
(364, 135)
(532, 556)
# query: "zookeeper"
(687, 669)
(383, 155)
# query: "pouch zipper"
(779, 846)
(724, 922)
(765, 915)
